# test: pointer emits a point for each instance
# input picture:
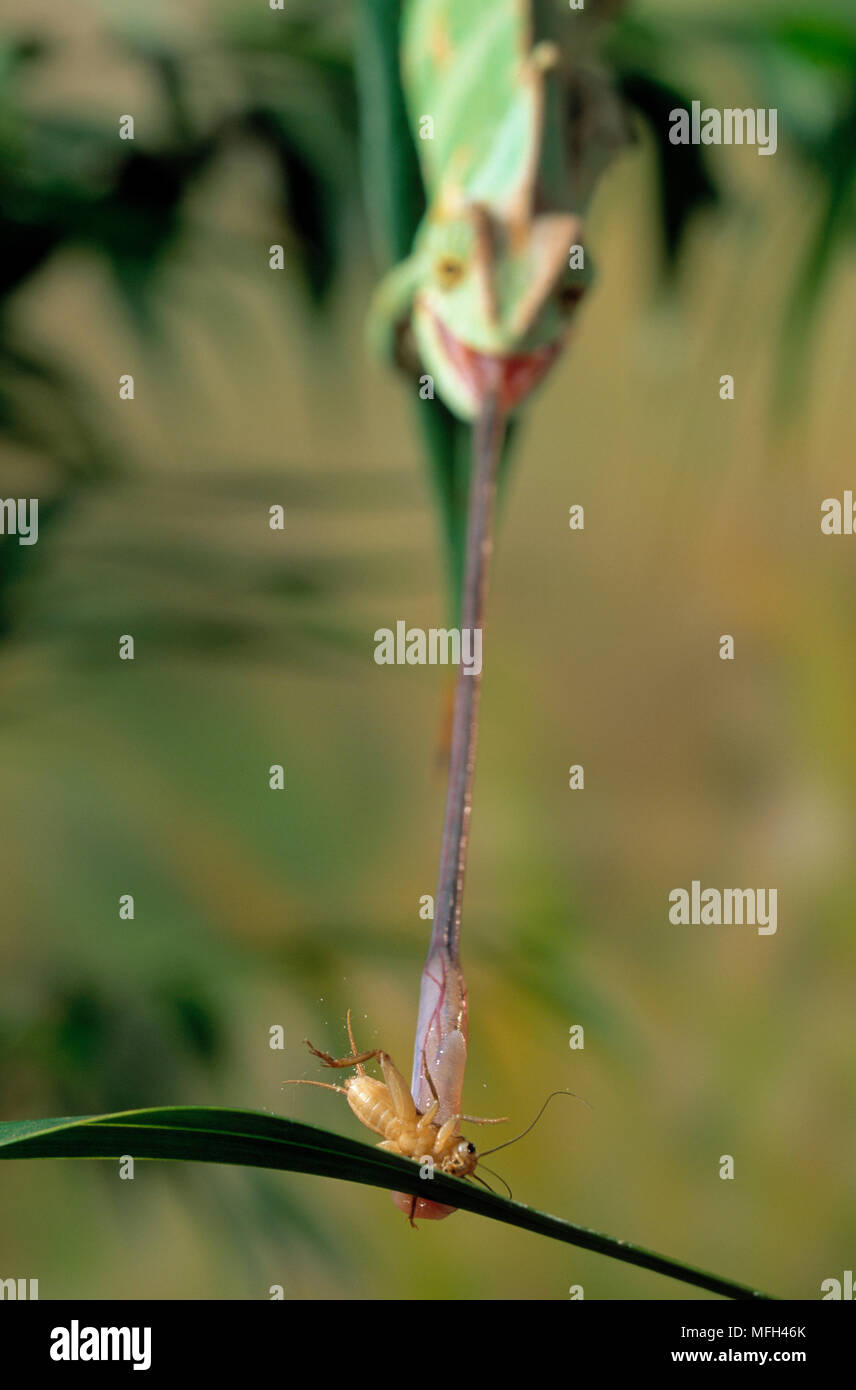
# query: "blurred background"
(254, 647)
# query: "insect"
(387, 1108)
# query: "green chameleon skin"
(488, 291)
(479, 221)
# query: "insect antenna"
(529, 1128)
(324, 1085)
(497, 1175)
(476, 1177)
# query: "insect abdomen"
(369, 1100)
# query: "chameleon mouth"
(512, 375)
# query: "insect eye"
(471, 1148)
(449, 271)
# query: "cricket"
(387, 1108)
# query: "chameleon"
(483, 134)
(485, 125)
(497, 265)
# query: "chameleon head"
(495, 304)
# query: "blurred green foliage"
(151, 256)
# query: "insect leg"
(446, 1132)
(361, 1071)
(402, 1101)
(426, 1120)
(330, 1061)
(474, 1120)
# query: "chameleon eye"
(569, 297)
(449, 271)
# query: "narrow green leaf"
(206, 1135)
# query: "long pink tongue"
(521, 373)
(510, 378)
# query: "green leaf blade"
(204, 1134)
